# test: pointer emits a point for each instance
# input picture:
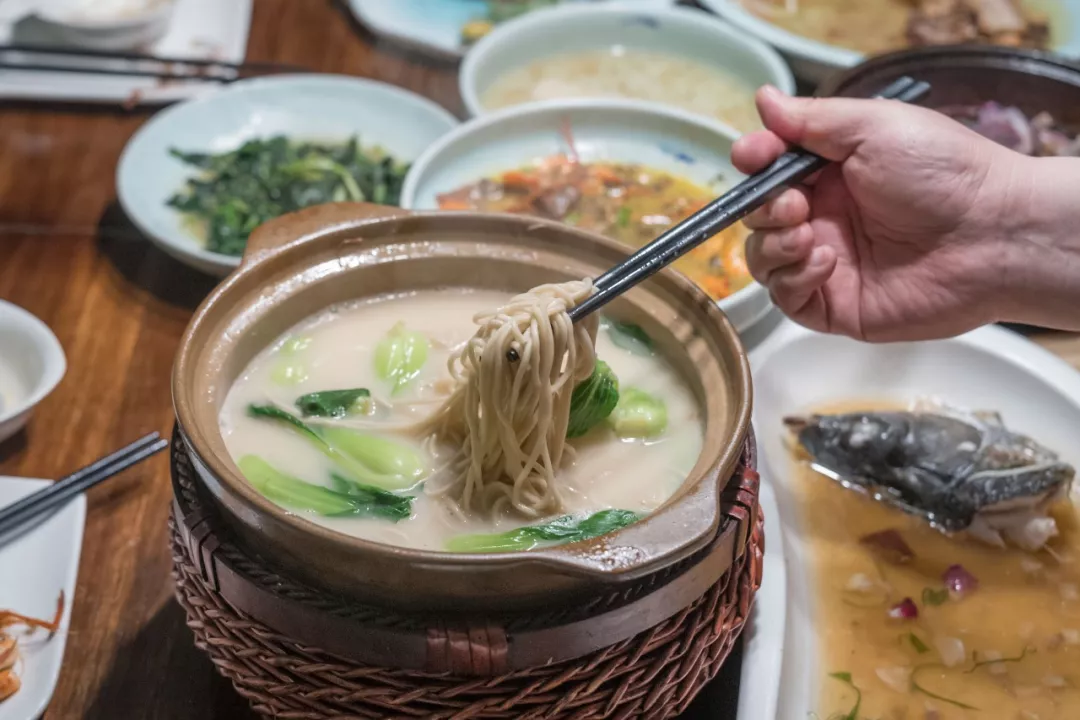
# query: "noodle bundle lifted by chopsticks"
(510, 406)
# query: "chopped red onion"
(890, 545)
(959, 581)
(906, 609)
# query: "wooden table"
(119, 306)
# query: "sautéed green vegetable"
(264, 178)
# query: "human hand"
(901, 238)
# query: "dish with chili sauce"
(627, 202)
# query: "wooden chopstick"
(15, 516)
(790, 168)
(165, 68)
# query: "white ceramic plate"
(612, 130)
(814, 60)
(31, 365)
(678, 32)
(35, 567)
(795, 370)
(434, 26)
(303, 107)
(199, 29)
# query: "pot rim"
(283, 236)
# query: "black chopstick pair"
(41, 58)
(15, 517)
(790, 168)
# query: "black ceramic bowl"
(970, 74)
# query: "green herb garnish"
(334, 403)
(846, 679)
(358, 501)
(623, 218)
(593, 400)
(934, 597)
(1016, 659)
(264, 178)
(628, 336)
(367, 459)
(566, 529)
(919, 645)
(919, 688)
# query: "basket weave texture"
(654, 674)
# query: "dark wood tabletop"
(118, 305)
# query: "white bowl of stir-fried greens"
(200, 176)
(615, 167)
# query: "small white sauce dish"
(37, 565)
(31, 365)
(107, 24)
(328, 108)
(623, 131)
(679, 32)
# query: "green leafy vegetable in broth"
(628, 336)
(846, 679)
(358, 500)
(335, 403)
(366, 458)
(400, 356)
(638, 415)
(593, 400)
(566, 529)
(241, 189)
(290, 368)
(384, 456)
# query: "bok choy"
(359, 500)
(366, 458)
(566, 529)
(593, 400)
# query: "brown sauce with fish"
(876, 26)
(1024, 611)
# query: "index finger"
(756, 151)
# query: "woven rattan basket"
(300, 653)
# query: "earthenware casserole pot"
(300, 264)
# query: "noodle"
(509, 411)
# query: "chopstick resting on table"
(790, 168)
(40, 58)
(16, 516)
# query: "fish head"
(852, 444)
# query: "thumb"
(831, 127)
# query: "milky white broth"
(606, 473)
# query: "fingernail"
(789, 242)
(819, 257)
